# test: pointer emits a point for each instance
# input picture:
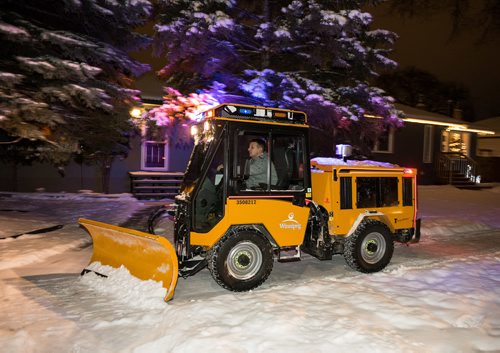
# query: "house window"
(154, 148)
(428, 143)
(154, 155)
(385, 142)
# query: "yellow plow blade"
(146, 256)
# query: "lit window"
(154, 155)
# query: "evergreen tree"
(64, 73)
(313, 55)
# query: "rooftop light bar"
(247, 112)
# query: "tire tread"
(213, 257)
(350, 247)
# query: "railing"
(454, 168)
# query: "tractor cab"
(219, 172)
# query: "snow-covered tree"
(313, 55)
(65, 73)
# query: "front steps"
(155, 185)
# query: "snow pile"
(448, 210)
(435, 228)
(12, 257)
(450, 307)
(84, 195)
(124, 287)
(440, 295)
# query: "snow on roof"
(420, 114)
(350, 162)
(491, 124)
(412, 112)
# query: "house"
(488, 150)
(489, 145)
(442, 148)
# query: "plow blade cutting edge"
(146, 256)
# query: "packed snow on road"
(440, 295)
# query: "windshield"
(203, 140)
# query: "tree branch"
(11, 142)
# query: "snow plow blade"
(145, 256)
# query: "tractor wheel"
(370, 248)
(241, 261)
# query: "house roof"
(492, 124)
(415, 115)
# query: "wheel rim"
(244, 260)
(373, 248)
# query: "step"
(155, 195)
(156, 187)
(474, 186)
(462, 181)
(157, 174)
(156, 181)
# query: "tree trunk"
(105, 169)
(15, 177)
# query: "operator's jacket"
(257, 171)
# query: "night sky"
(425, 43)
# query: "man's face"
(254, 150)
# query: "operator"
(256, 166)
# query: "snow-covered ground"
(441, 295)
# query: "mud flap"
(145, 256)
(418, 223)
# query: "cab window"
(269, 162)
(288, 158)
(209, 203)
(376, 192)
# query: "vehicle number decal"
(246, 202)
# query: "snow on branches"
(182, 109)
(303, 54)
(65, 68)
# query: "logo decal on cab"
(290, 223)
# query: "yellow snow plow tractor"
(250, 196)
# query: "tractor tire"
(157, 220)
(241, 260)
(370, 248)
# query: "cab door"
(208, 202)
